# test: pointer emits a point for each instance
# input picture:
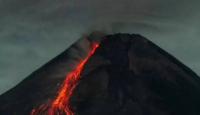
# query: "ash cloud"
(82, 47)
(94, 35)
(75, 54)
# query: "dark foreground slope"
(129, 75)
(126, 75)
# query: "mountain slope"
(126, 75)
(129, 75)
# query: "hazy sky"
(32, 32)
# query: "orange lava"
(60, 105)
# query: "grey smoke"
(81, 48)
(72, 56)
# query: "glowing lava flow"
(60, 104)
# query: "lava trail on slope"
(60, 104)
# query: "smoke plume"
(79, 50)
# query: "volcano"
(124, 74)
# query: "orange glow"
(60, 104)
(32, 112)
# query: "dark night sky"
(34, 31)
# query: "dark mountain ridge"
(126, 75)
